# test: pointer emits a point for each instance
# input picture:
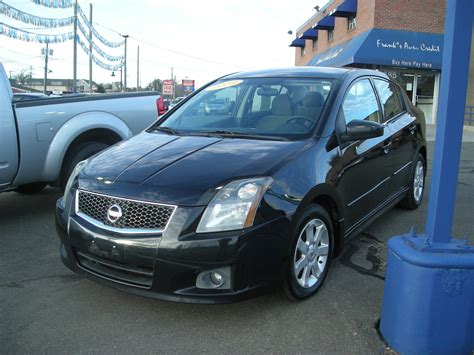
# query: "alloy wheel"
(418, 181)
(311, 253)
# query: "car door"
(364, 171)
(402, 126)
(8, 139)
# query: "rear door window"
(389, 98)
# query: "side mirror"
(360, 129)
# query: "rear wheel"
(312, 248)
(75, 155)
(417, 185)
(30, 189)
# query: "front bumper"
(166, 266)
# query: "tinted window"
(389, 98)
(360, 103)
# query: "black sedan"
(213, 208)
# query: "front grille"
(132, 275)
(134, 215)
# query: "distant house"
(57, 86)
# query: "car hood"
(182, 170)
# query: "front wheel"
(312, 248)
(78, 153)
(417, 185)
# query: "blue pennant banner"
(101, 38)
(64, 4)
(22, 35)
(95, 59)
(24, 17)
(112, 58)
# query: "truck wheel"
(75, 155)
(30, 189)
(310, 257)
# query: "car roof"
(303, 72)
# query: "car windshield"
(275, 108)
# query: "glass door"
(424, 97)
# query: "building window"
(351, 24)
(315, 44)
(330, 35)
(303, 51)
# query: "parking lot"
(46, 308)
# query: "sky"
(201, 40)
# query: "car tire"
(31, 189)
(75, 155)
(311, 253)
(414, 196)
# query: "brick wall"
(365, 21)
(408, 15)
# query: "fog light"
(216, 278)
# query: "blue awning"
(299, 42)
(391, 48)
(347, 9)
(310, 34)
(326, 23)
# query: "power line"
(171, 50)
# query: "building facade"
(54, 86)
(402, 38)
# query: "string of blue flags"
(95, 59)
(30, 19)
(112, 58)
(27, 36)
(64, 4)
(83, 25)
(101, 38)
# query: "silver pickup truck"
(42, 140)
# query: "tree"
(23, 77)
(156, 85)
(100, 88)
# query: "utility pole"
(138, 67)
(90, 49)
(46, 54)
(124, 88)
(74, 74)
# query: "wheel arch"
(90, 126)
(328, 198)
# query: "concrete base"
(428, 304)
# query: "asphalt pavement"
(46, 308)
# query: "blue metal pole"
(455, 70)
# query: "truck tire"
(78, 153)
(30, 189)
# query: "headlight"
(73, 175)
(234, 206)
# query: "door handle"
(386, 147)
(412, 128)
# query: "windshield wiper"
(166, 130)
(232, 134)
